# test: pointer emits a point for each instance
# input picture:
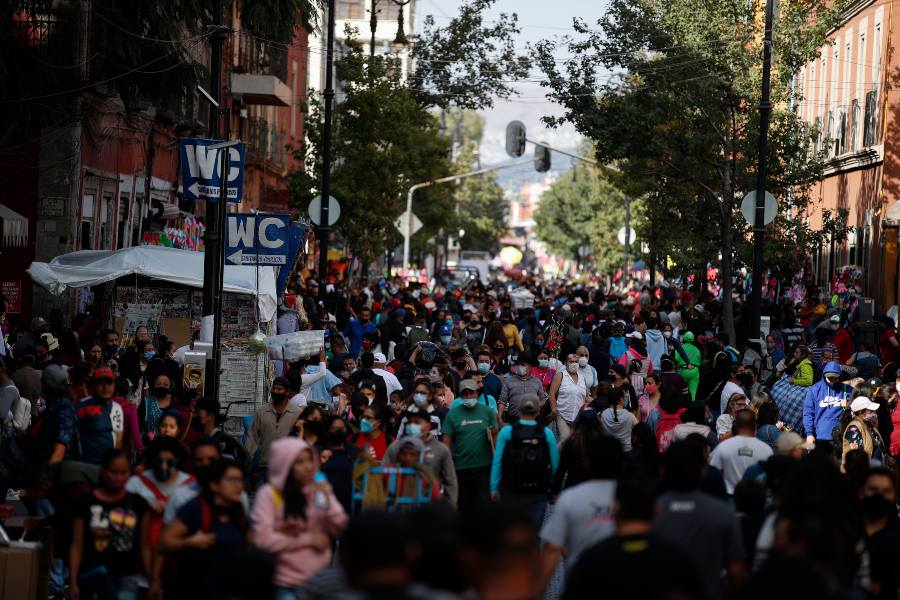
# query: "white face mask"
(572, 367)
(524, 370)
(582, 361)
(667, 334)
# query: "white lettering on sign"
(240, 232)
(264, 225)
(206, 161)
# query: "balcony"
(259, 71)
(265, 144)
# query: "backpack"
(617, 347)
(665, 429)
(526, 460)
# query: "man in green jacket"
(689, 370)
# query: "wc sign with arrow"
(257, 239)
(201, 170)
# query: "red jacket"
(844, 344)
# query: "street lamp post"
(324, 230)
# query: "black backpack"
(526, 460)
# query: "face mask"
(449, 322)
(483, 368)
(366, 425)
(770, 347)
(651, 388)
(524, 370)
(413, 429)
(667, 334)
(149, 355)
(543, 363)
(539, 344)
(469, 402)
(312, 369)
(336, 438)
(276, 398)
(571, 367)
(832, 382)
(420, 399)
(871, 419)
(445, 339)
(460, 364)
(111, 349)
(163, 470)
(582, 361)
(877, 506)
(159, 392)
(196, 424)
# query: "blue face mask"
(543, 363)
(312, 369)
(449, 322)
(469, 402)
(483, 368)
(420, 399)
(445, 339)
(365, 425)
(413, 429)
(149, 354)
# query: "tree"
(683, 115)
(383, 142)
(582, 207)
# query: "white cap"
(862, 403)
(636, 335)
(835, 319)
(379, 358)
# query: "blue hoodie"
(822, 408)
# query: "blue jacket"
(822, 407)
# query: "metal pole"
(324, 230)
(627, 240)
(373, 26)
(407, 233)
(212, 262)
(759, 229)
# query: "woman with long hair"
(617, 421)
(736, 402)
(110, 536)
(310, 425)
(296, 515)
(207, 534)
(155, 404)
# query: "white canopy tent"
(185, 267)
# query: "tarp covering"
(185, 267)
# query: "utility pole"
(373, 26)
(627, 240)
(324, 230)
(759, 229)
(212, 255)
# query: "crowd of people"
(450, 443)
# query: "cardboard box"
(20, 571)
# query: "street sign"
(748, 208)
(400, 224)
(257, 239)
(632, 239)
(200, 170)
(334, 210)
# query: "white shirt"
(588, 374)
(390, 381)
(571, 396)
(298, 400)
(735, 455)
(307, 379)
(729, 389)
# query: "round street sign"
(748, 208)
(621, 236)
(334, 210)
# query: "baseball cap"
(52, 342)
(699, 308)
(379, 357)
(400, 312)
(411, 441)
(790, 441)
(56, 377)
(835, 318)
(282, 381)
(862, 403)
(468, 385)
(445, 330)
(104, 372)
(529, 403)
(635, 335)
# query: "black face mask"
(197, 424)
(313, 427)
(877, 506)
(277, 398)
(162, 470)
(201, 474)
(337, 438)
(159, 392)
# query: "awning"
(92, 267)
(15, 228)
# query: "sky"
(538, 20)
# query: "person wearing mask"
(373, 437)
(705, 528)
(27, 380)
(801, 367)
(272, 420)
(616, 421)
(650, 399)
(670, 378)
(469, 431)
(339, 354)
(437, 457)
(110, 535)
(110, 339)
(582, 515)
(543, 371)
(311, 374)
(620, 565)
(690, 369)
(725, 422)
(493, 385)
(159, 400)
(657, 343)
(525, 461)
(474, 333)
(741, 451)
(882, 527)
(518, 384)
(842, 339)
(296, 517)
(587, 372)
(618, 376)
(513, 340)
(862, 432)
(338, 457)
(823, 405)
(310, 425)
(101, 422)
(731, 386)
(57, 437)
(357, 328)
(379, 364)
(208, 533)
(568, 395)
(865, 361)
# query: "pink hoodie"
(298, 559)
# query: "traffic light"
(515, 139)
(541, 159)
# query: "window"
(829, 135)
(350, 9)
(87, 222)
(124, 201)
(840, 135)
(870, 135)
(854, 125)
(817, 141)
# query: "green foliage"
(583, 207)
(383, 142)
(467, 63)
(682, 123)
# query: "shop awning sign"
(257, 239)
(201, 170)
